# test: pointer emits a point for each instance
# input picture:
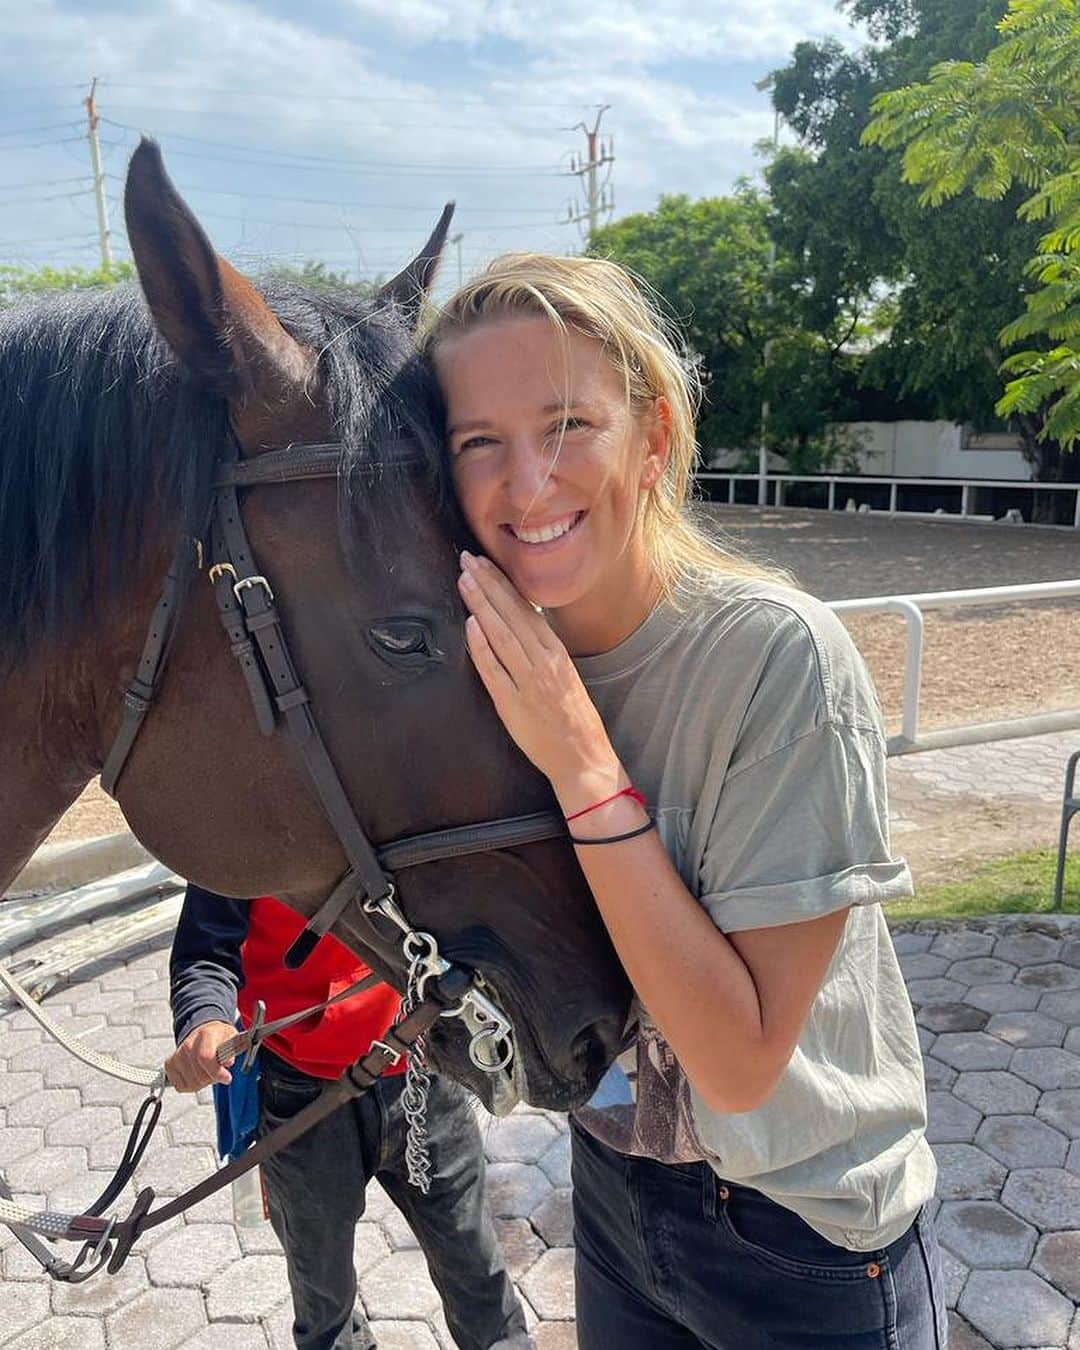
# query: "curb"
(77, 862)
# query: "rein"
(434, 987)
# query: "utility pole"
(599, 152)
(456, 240)
(99, 176)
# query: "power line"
(307, 95)
(33, 131)
(38, 145)
(47, 182)
(332, 160)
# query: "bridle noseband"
(252, 624)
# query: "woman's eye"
(473, 442)
(570, 424)
(402, 637)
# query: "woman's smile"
(545, 537)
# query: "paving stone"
(227, 1336)
(61, 1333)
(960, 944)
(247, 1289)
(1048, 1197)
(984, 1234)
(397, 1232)
(554, 1219)
(939, 1077)
(15, 1086)
(15, 1042)
(520, 1244)
(105, 1293)
(77, 1126)
(952, 1017)
(1022, 1141)
(950, 1120)
(926, 1039)
(278, 1327)
(938, 990)
(398, 1287)
(982, 970)
(404, 1336)
(1062, 1110)
(369, 1247)
(1049, 1068)
(45, 1168)
(967, 1173)
(995, 998)
(963, 1336)
(907, 944)
(1070, 951)
(192, 1255)
(17, 1143)
(549, 1286)
(73, 1194)
(1072, 1041)
(514, 1190)
(195, 1126)
(1015, 1308)
(157, 1320)
(1054, 976)
(1027, 949)
(555, 1336)
(954, 1274)
(1061, 1004)
(1057, 1259)
(996, 1093)
(519, 1138)
(967, 1050)
(42, 1107)
(923, 966)
(555, 1164)
(1025, 1029)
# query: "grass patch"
(1020, 884)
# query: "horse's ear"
(409, 288)
(214, 320)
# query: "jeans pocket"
(778, 1238)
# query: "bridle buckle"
(245, 582)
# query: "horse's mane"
(102, 435)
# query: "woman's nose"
(529, 469)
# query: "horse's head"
(363, 575)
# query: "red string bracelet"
(630, 792)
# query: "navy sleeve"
(205, 970)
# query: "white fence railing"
(912, 608)
(964, 487)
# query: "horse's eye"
(402, 637)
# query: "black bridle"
(252, 623)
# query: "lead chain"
(414, 1098)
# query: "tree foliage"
(999, 129)
(19, 283)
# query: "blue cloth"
(236, 1106)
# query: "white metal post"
(892, 497)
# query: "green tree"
(929, 293)
(994, 129)
(17, 283)
(709, 260)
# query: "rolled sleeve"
(803, 832)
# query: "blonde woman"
(760, 1175)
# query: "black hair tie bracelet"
(617, 838)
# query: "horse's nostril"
(595, 1046)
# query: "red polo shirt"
(325, 1044)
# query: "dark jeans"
(673, 1258)
(315, 1189)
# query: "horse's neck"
(41, 770)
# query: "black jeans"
(673, 1258)
(316, 1185)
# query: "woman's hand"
(536, 690)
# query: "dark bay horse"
(114, 409)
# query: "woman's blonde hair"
(601, 299)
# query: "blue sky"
(336, 130)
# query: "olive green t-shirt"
(748, 719)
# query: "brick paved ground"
(999, 1018)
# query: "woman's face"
(550, 467)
